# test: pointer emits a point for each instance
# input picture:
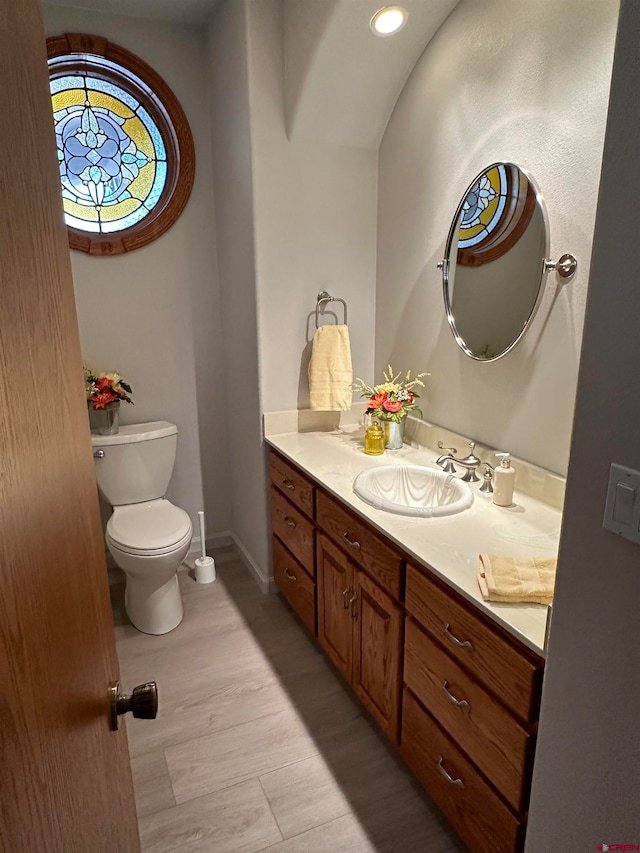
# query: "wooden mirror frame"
(176, 135)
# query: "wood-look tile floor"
(258, 744)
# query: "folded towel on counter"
(330, 372)
(517, 580)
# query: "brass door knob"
(142, 702)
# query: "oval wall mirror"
(494, 261)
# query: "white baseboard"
(218, 540)
(266, 584)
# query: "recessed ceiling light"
(388, 20)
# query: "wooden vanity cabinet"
(361, 629)
(458, 694)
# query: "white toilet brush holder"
(205, 566)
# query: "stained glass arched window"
(495, 214)
(125, 150)
(483, 207)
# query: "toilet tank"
(137, 463)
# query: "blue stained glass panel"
(158, 185)
(115, 91)
(61, 84)
(81, 224)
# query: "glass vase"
(105, 421)
(393, 434)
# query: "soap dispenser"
(503, 481)
(374, 440)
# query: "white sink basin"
(413, 490)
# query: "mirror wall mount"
(565, 266)
(495, 261)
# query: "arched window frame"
(74, 52)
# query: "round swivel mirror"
(494, 261)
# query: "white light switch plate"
(622, 509)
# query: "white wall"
(153, 314)
(315, 226)
(586, 785)
(246, 488)
(526, 83)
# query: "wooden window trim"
(176, 136)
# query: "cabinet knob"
(290, 575)
(287, 484)
(345, 593)
(289, 521)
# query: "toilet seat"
(151, 528)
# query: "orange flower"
(377, 400)
(101, 398)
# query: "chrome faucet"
(470, 462)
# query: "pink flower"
(392, 405)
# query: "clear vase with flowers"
(105, 392)
(391, 401)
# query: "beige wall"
(522, 82)
(154, 314)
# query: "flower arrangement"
(394, 398)
(105, 388)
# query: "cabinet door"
(378, 626)
(335, 584)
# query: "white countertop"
(448, 546)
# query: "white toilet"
(147, 535)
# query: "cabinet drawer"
(292, 483)
(292, 528)
(512, 675)
(295, 584)
(482, 727)
(362, 544)
(480, 817)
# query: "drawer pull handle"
(351, 542)
(352, 600)
(288, 484)
(459, 703)
(461, 644)
(289, 521)
(290, 575)
(458, 782)
(345, 593)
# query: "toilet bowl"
(149, 541)
(147, 536)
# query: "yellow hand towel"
(517, 580)
(330, 373)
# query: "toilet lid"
(148, 526)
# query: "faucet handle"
(448, 449)
(487, 478)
